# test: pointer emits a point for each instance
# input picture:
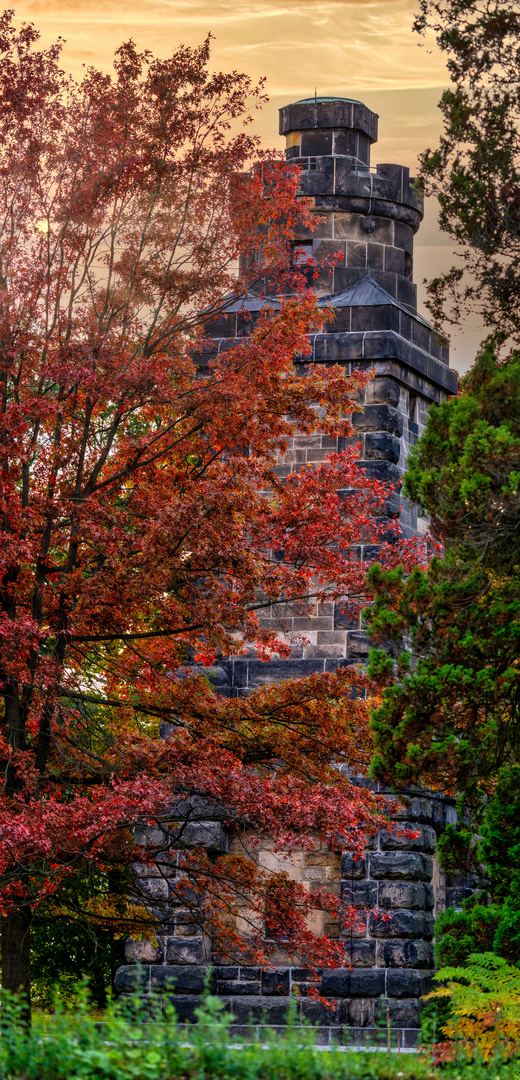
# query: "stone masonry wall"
(391, 955)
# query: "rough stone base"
(390, 953)
(259, 999)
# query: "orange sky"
(355, 48)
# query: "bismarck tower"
(370, 215)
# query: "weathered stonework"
(370, 217)
(391, 954)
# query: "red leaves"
(144, 527)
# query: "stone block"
(362, 319)
(416, 809)
(335, 348)
(394, 260)
(405, 894)
(230, 987)
(376, 258)
(267, 1010)
(320, 858)
(182, 980)
(358, 982)
(353, 227)
(317, 1012)
(186, 929)
(144, 952)
(407, 983)
(358, 645)
(342, 620)
(425, 841)
(454, 897)
(315, 143)
(226, 971)
(130, 978)
(383, 390)
(404, 1012)
(156, 888)
(276, 982)
(352, 868)
(185, 1006)
(381, 445)
(335, 983)
(406, 292)
(400, 865)
(400, 924)
(406, 954)
(262, 674)
(362, 953)
(378, 418)
(365, 983)
(321, 180)
(206, 834)
(359, 1012)
(403, 236)
(386, 317)
(359, 893)
(385, 471)
(357, 256)
(193, 950)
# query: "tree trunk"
(16, 956)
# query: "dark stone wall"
(391, 954)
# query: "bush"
(64, 952)
(490, 920)
(152, 1046)
(484, 999)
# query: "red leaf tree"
(143, 525)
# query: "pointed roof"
(250, 302)
(367, 293)
(363, 293)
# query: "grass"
(136, 1042)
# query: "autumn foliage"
(143, 524)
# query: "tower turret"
(371, 212)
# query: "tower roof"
(314, 100)
(367, 293)
(323, 113)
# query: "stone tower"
(371, 214)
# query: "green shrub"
(484, 998)
(490, 920)
(65, 952)
(152, 1046)
(461, 933)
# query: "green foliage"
(464, 470)
(63, 953)
(475, 169)
(449, 711)
(147, 1044)
(490, 920)
(455, 848)
(460, 933)
(500, 844)
(484, 998)
(451, 704)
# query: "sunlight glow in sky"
(354, 48)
